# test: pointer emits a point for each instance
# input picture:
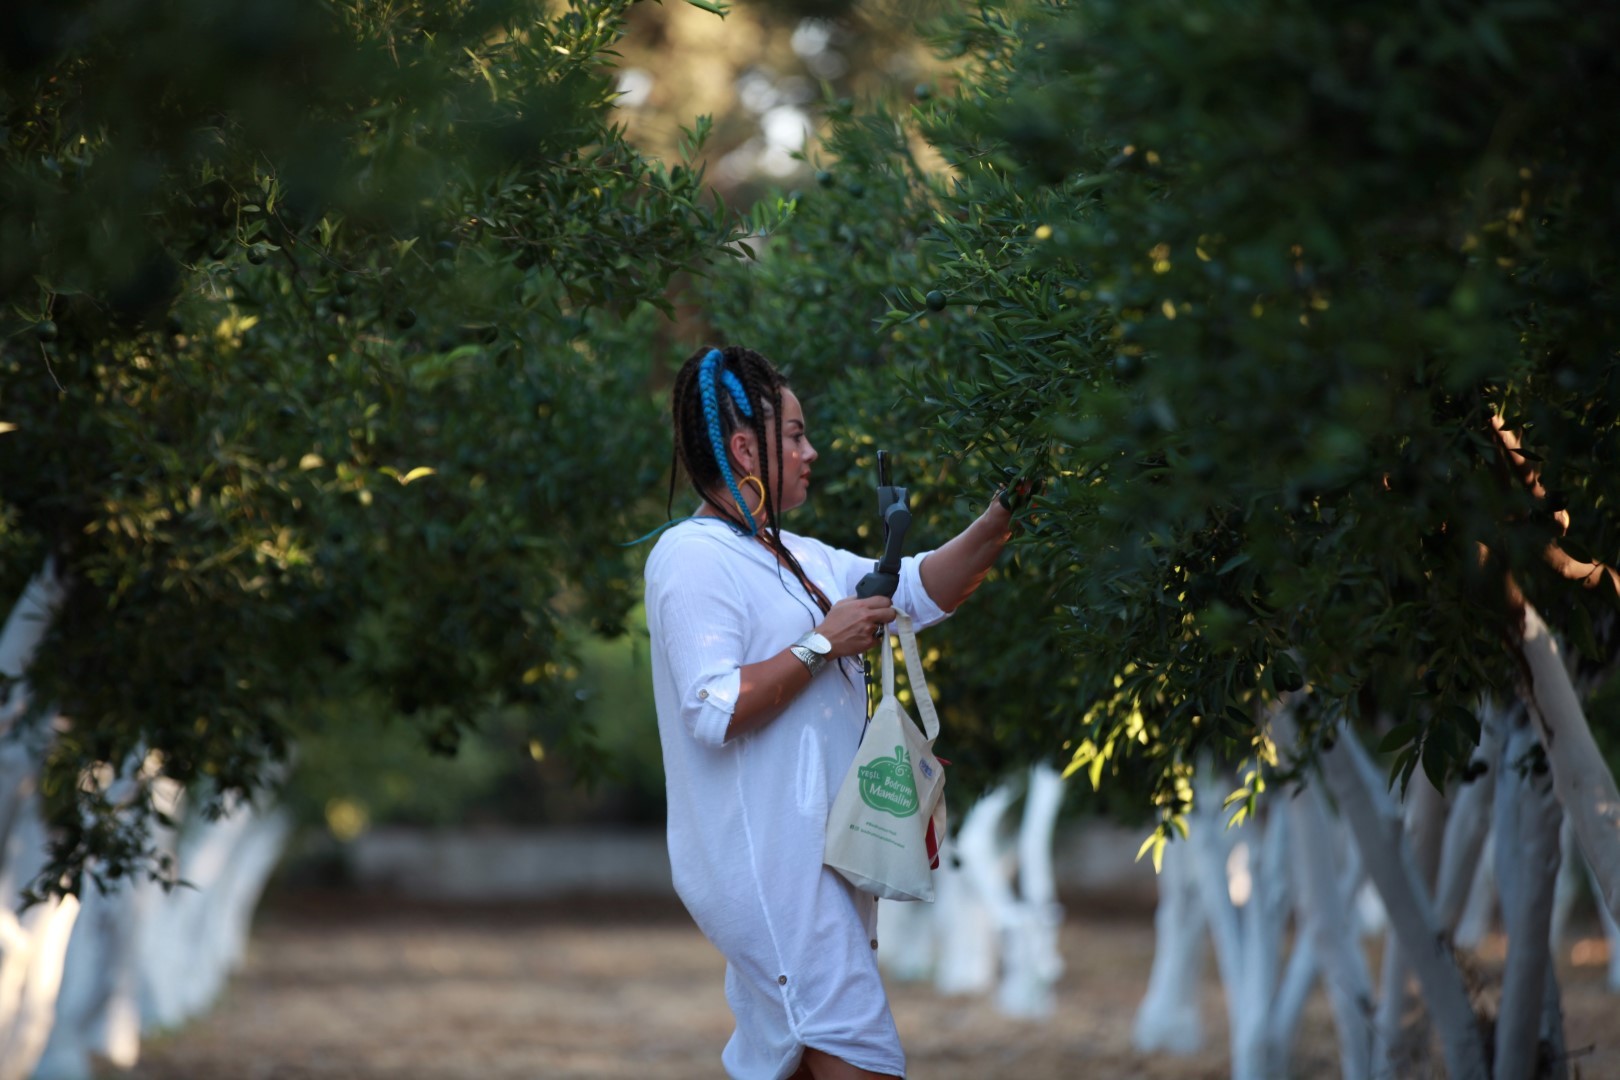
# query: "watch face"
(817, 643)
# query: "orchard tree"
(1290, 303)
(317, 373)
(1309, 318)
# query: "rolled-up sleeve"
(699, 618)
(910, 597)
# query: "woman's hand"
(855, 624)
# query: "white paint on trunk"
(1033, 962)
(982, 925)
(1400, 1027)
(25, 626)
(1326, 909)
(1468, 825)
(1360, 791)
(1581, 778)
(1527, 857)
(906, 932)
(984, 872)
(1479, 913)
(96, 1008)
(1611, 934)
(195, 937)
(33, 943)
(1170, 1016)
(1567, 889)
(1248, 940)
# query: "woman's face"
(790, 476)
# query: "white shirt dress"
(748, 817)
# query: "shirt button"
(874, 943)
(781, 980)
(703, 695)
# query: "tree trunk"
(1469, 823)
(1170, 1016)
(1567, 889)
(1364, 801)
(1212, 847)
(1400, 1029)
(1326, 909)
(1581, 778)
(1479, 913)
(1033, 962)
(194, 937)
(33, 943)
(1527, 857)
(25, 626)
(1263, 919)
(1248, 938)
(1611, 934)
(971, 942)
(906, 930)
(97, 1006)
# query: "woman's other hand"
(855, 624)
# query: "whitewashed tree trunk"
(1527, 857)
(1582, 779)
(1611, 933)
(97, 1006)
(33, 943)
(906, 931)
(1034, 963)
(1170, 1017)
(1264, 918)
(1248, 939)
(1212, 847)
(1400, 1027)
(968, 959)
(983, 923)
(194, 937)
(964, 943)
(1364, 802)
(1479, 913)
(1326, 908)
(1469, 823)
(1567, 889)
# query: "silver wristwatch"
(812, 650)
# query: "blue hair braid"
(735, 387)
(711, 413)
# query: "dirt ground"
(344, 988)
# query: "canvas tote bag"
(888, 818)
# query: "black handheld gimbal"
(896, 516)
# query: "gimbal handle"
(896, 514)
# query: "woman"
(756, 638)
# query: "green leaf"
(1399, 735)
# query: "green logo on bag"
(887, 784)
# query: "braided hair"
(718, 391)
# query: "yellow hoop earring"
(759, 485)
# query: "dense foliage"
(318, 360)
(1249, 282)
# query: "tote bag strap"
(914, 672)
(888, 667)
